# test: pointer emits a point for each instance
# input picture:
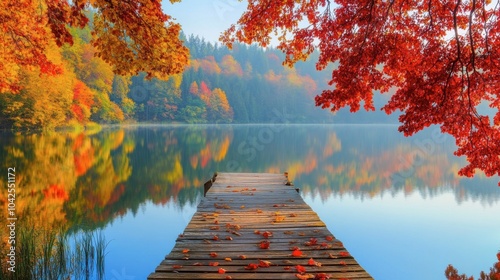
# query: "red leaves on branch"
(437, 61)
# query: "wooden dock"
(253, 226)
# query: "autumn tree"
(83, 99)
(132, 36)
(440, 58)
(219, 106)
(43, 101)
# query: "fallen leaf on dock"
(344, 254)
(264, 263)
(304, 276)
(251, 266)
(297, 253)
(278, 219)
(312, 262)
(311, 242)
(265, 244)
(300, 269)
(267, 234)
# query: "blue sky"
(206, 18)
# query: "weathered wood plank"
(240, 215)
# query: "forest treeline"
(247, 84)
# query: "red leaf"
(297, 253)
(264, 263)
(312, 262)
(213, 254)
(221, 270)
(213, 263)
(265, 244)
(300, 269)
(251, 266)
(311, 242)
(344, 254)
(267, 234)
(321, 276)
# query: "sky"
(206, 18)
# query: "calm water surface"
(395, 202)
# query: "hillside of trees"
(247, 84)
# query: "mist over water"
(397, 203)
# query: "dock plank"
(253, 226)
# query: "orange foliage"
(272, 77)
(194, 88)
(55, 192)
(210, 66)
(24, 41)
(133, 36)
(83, 99)
(230, 66)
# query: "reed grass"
(53, 255)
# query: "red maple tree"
(438, 59)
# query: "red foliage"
(300, 269)
(441, 58)
(297, 253)
(55, 192)
(251, 266)
(265, 244)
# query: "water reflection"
(87, 180)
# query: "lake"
(396, 203)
